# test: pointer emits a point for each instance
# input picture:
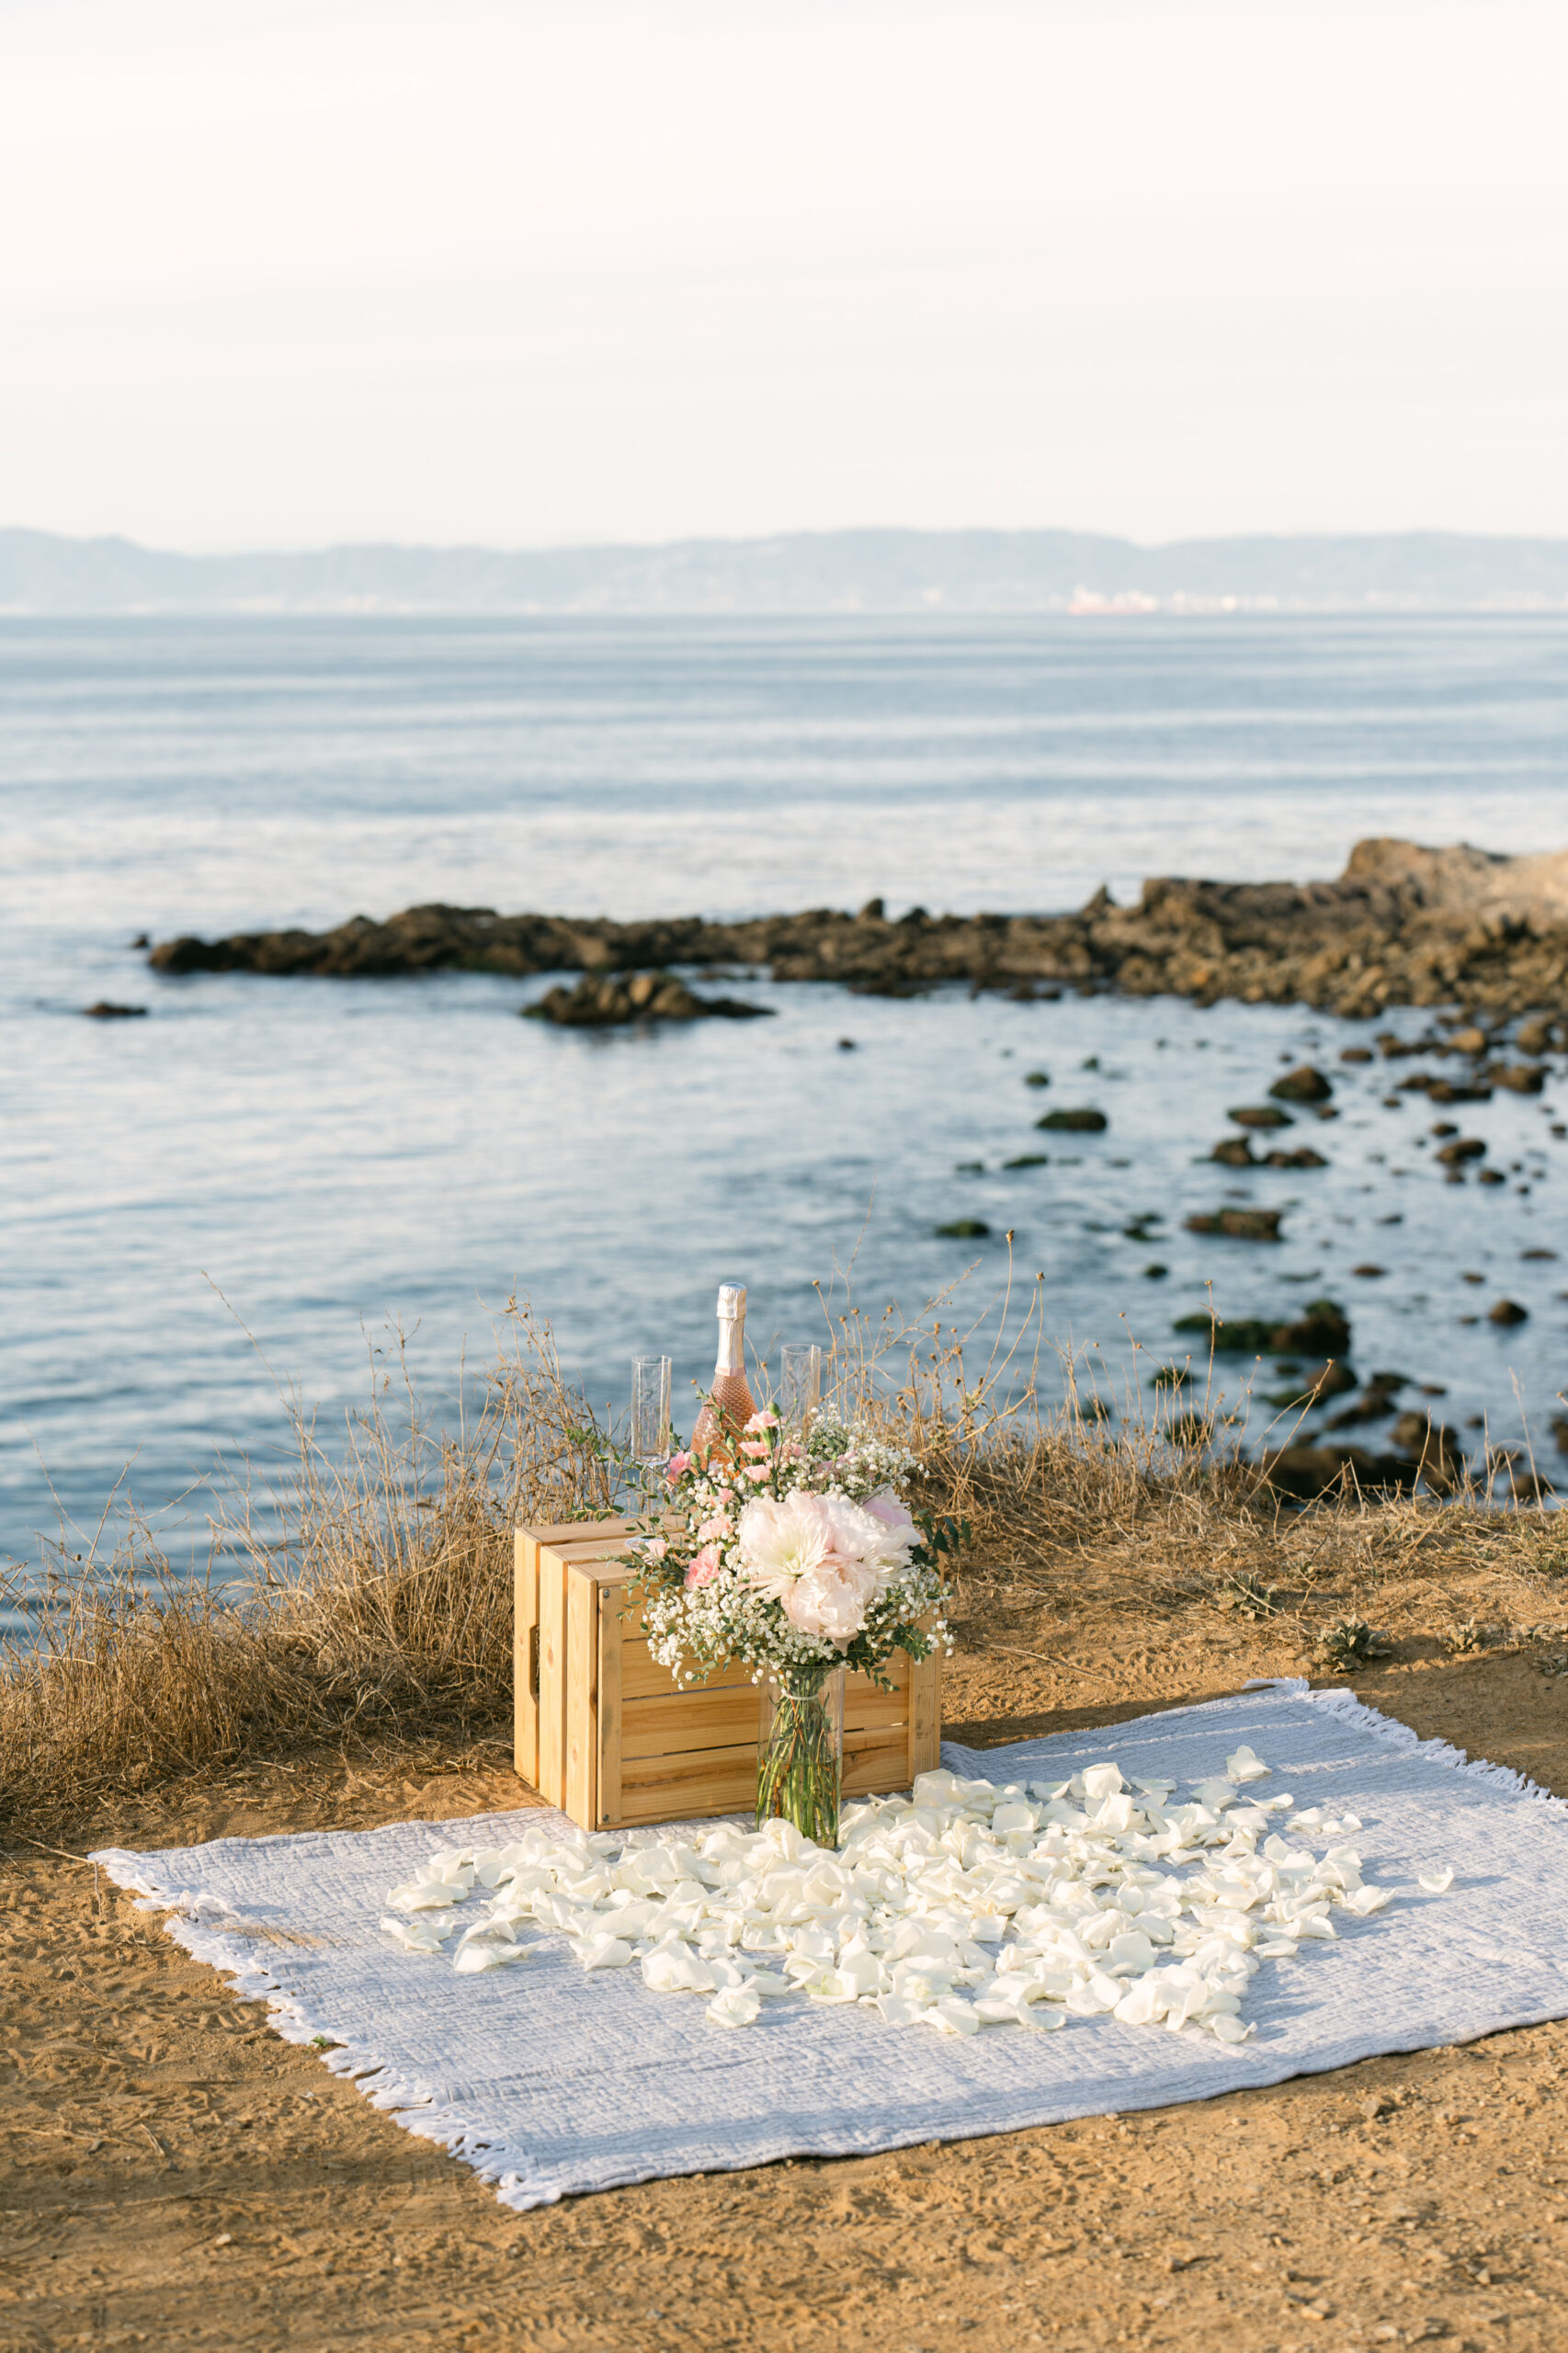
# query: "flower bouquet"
(794, 1552)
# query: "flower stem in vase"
(800, 1761)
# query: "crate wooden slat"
(603, 1731)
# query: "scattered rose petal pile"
(964, 1905)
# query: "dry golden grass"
(372, 1598)
(373, 1592)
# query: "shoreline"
(1402, 925)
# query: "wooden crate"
(603, 1731)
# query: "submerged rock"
(1439, 1456)
(1086, 1122)
(646, 996)
(1444, 1090)
(105, 1011)
(1240, 1225)
(1260, 1115)
(1302, 1085)
(1304, 1471)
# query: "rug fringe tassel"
(1339, 1702)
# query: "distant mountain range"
(805, 572)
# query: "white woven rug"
(551, 2081)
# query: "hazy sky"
(500, 271)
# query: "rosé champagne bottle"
(729, 1398)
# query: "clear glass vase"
(799, 1755)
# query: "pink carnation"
(704, 1567)
(677, 1463)
(765, 1420)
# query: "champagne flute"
(800, 1386)
(649, 1414)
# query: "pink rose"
(885, 1506)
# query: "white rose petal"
(676, 1970)
(1226, 2028)
(1436, 1882)
(735, 2006)
(1365, 1901)
(475, 1958)
(603, 1952)
(951, 2016)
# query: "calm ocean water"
(288, 1164)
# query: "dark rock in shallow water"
(646, 996)
(1030, 1160)
(1235, 1152)
(964, 1229)
(1304, 1471)
(1507, 1311)
(1304, 1085)
(1240, 1225)
(1438, 1452)
(1230, 1336)
(1302, 1157)
(1521, 1078)
(1260, 1115)
(1322, 1329)
(1463, 1148)
(1088, 1123)
(1334, 1379)
(1443, 1090)
(105, 1011)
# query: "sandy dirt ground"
(172, 2175)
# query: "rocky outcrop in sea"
(1402, 924)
